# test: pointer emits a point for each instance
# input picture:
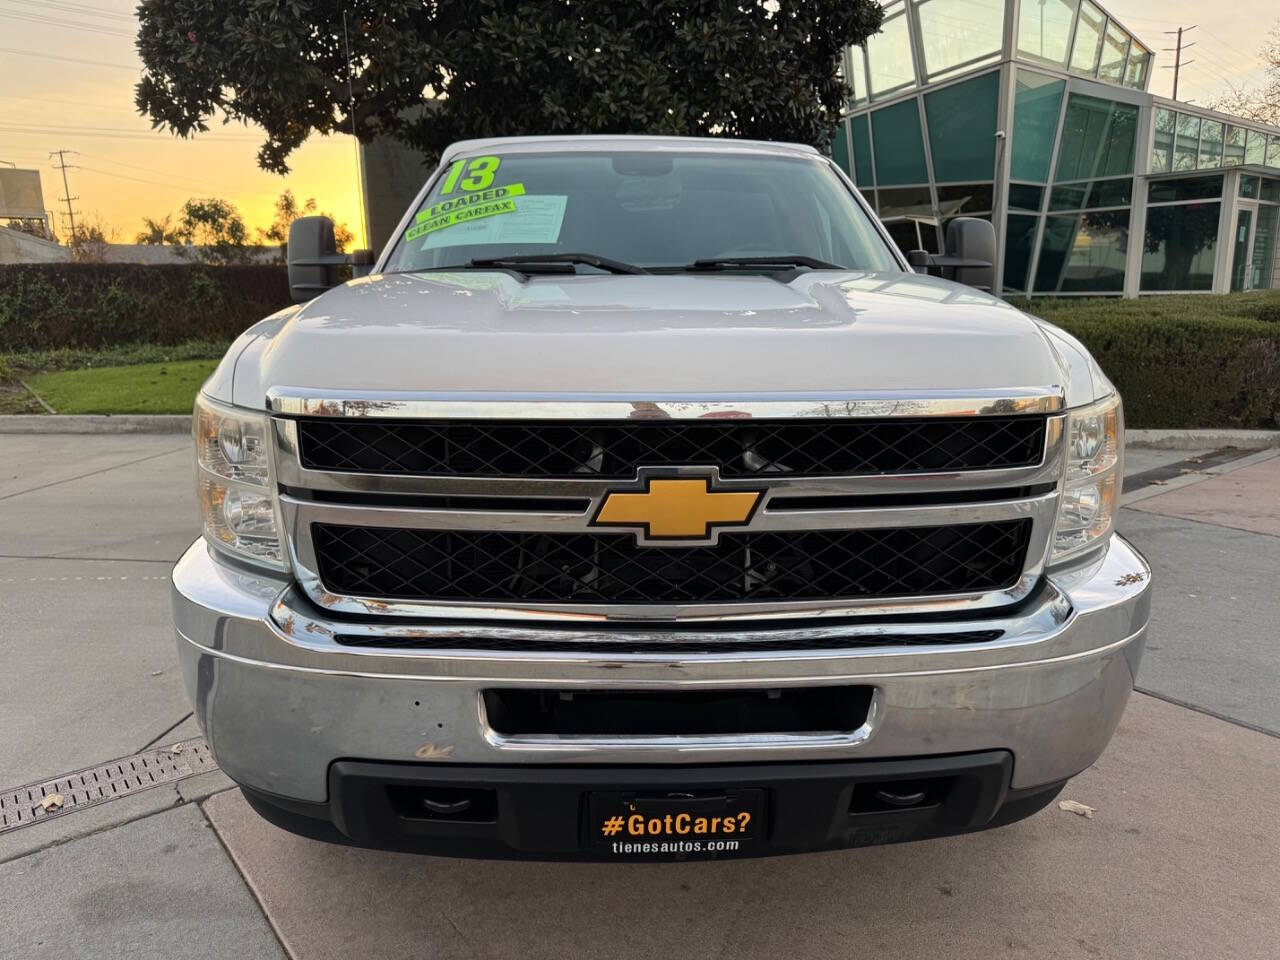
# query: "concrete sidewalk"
(1177, 862)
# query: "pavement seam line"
(1149, 490)
(93, 473)
(179, 801)
(254, 892)
(1205, 711)
(167, 731)
(1205, 523)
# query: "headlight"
(1091, 494)
(234, 484)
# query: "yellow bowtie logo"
(677, 508)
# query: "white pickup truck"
(643, 501)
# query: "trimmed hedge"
(1183, 361)
(54, 305)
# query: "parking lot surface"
(1177, 861)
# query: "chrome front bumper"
(280, 700)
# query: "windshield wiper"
(529, 263)
(782, 260)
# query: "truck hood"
(646, 337)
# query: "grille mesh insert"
(447, 565)
(615, 450)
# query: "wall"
(18, 247)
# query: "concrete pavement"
(1176, 863)
(1178, 858)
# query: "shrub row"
(1183, 361)
(1179, 361)
(93, 305)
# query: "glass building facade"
(1035, 114)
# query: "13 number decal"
(480, 174)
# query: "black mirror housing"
(314, 260)
(972, 244)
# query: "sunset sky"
(67, 70)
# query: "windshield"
(653, 210)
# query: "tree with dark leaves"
(428, 72)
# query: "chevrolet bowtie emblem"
(677, 508)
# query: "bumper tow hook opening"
(447, 808)
(895, 799)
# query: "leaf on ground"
(1076, 807)
(176, 748)
(53, 801)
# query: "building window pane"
(1098, 138)
(840, 148)
(1210, 143)
(965, 199)
(1179, 247)
(1114, 54)
(1233, 155)
(1249, 187)
(1188, 144)
(1019, 242)
(1083, 253)
(1135, 74)
(899, 147)
(1044, 30)
(906, 202)
(1273, 151)
(861, 130)
(962, 129)
(1256, 148)
(1089, 196)
(959, 33)
(1088, 46)
(1271, 191)
(889, 55)
(1262, 268)
(1190, 188)
(1024, 197)
(1035, 123)
(1162, 144)
(857, 74)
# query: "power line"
(80, 9)
(64, 24)
(112, 132)
(54, 56)
(71, 103)
(62, 162)
(164, 173)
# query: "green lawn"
(141, 388)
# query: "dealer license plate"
(675, 822)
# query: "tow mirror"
(315, 264)
(970, 258)
(971, 252)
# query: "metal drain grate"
(32, 803)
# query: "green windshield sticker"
(465, 208)
(535, 218)
(469, 199)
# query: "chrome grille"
(616, 450)
(948, 507)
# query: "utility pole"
(1178, 63)
(62, 164)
